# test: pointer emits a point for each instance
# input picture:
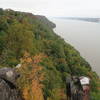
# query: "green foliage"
(95, 96)
(20, 32)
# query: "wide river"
(84, 36)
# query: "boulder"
(8, 88)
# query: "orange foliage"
(37, 90)
(26, 93)
(38, 58)
(34, 76)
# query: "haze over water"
(84, 36)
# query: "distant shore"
(96, 20)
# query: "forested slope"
(45, 57)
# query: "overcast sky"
(90, 8)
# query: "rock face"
(44, 20)
(8, 88)
(74, 89)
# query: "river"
(84, 36)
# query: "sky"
(55, 8)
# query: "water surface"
(84, 36)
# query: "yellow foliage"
(37, 90)
(32, 76)
(26, 93)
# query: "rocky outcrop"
(8, 88)
(44, 20)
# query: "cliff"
(44, 20)
(45, 57)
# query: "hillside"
(45, 57)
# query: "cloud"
(55, 7)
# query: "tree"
(19, 38)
